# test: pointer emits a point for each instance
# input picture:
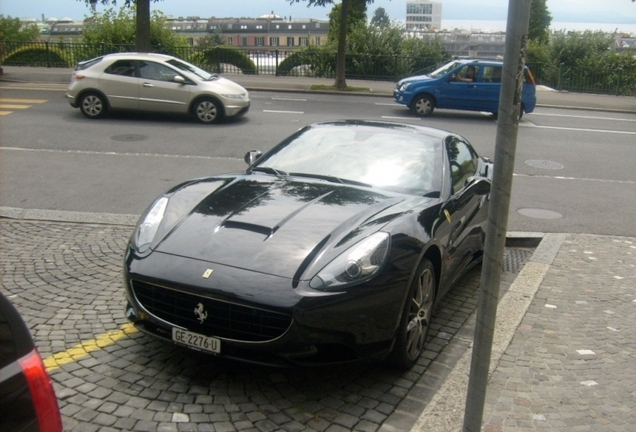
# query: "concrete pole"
(506, 144)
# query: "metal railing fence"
(305, 62)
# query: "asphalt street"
(563, 358)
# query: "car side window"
(155, 71)
(122, 67)
(492, 74)
(467, 74)
(463, 162)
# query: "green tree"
(340, 83)
(11, 29)
(380, 18)
(119, 28)
(142, 18)
(357, 16)
(540, 20)
(212, 40)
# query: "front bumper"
(313, 327)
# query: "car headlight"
(356, 265)
(403, 87)
(235, 96)
(147, 229)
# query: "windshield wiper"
(331, 179)
(270, 170)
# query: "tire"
(423, 105)
(93, 105)
(416, 318)
(207, 110)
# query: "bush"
(215, 57)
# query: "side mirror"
(478, 185)
(179, 79)
(252, 156)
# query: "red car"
(27, 398)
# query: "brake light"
(44, 399)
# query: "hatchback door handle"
(147, 84)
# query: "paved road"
(563, 358)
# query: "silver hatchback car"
(154, 82)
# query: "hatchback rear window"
(87, 63)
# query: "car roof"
(388, 125)
(139, 56)
(478, 61)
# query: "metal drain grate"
(515, 259)
(539, 213)
(129, 137)
(544, 164)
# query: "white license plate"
(196, 341)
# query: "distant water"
(496, 26)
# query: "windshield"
(444, 69)
(187, 67)
(388, 157)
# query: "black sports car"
(333, 246)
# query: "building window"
(259, 27)
(274, 41)
(290, 41)
(317, 39)
(230, 40)
(303, 41)
(317, 25)
(190, 41)
(229, 26)
(289, 27)
(304, 26)
(244, 41)
(259, 41)
(243, 27)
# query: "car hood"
(275, 226)
(415, 78)
(222, 85)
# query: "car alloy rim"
(420, 314)
(423, 106)
(92, 105)
(206, 111)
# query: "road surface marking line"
(14, 100)
(12, 106)
(81, 350)
(283, 112)
(578, 129)
(2, 113)
(289, 99)
(582, 117)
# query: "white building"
(423, 15)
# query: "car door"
(489, 88)
(455, 94)
(159, 91)
(463, 206)
(120, 85)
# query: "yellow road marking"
(14, 100)
(13, 106)
(81, 350)
(5, 112)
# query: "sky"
(582, 11)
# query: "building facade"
(423, 15)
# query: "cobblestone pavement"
(571, 365)
(65, 278)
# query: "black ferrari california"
(333, 246)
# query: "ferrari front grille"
(209, 316)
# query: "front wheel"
(423, 105)
(207, 111)
(92, 105)
(416, 318)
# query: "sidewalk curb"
(445, 411)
